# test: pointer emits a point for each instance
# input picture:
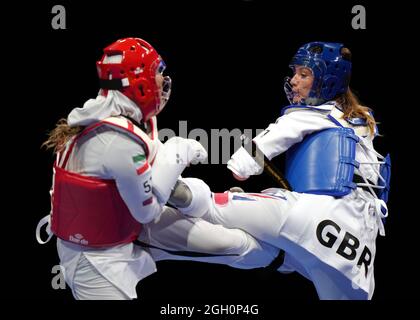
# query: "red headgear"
(130, 65)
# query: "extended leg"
(177, 237)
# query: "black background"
(227, 61)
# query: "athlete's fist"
(243, 165)
(184, 151)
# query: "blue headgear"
(331, 71)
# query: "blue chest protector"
(323, 163)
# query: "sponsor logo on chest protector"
(328, 232)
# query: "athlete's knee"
(230, 241)
(243, 244)
(253, 253)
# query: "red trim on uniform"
(130, 126)
(143, 168)
(221, 199)
(151, 122)
(148, 201)
(94, 126)
(261, 196)
(153, 160)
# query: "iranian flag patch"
(139, 158)
(139, 162)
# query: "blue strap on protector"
(385, 172)
(323, 163)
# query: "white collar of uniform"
(338, 117)
(327, 107)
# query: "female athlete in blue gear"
(328, 225)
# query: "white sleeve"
(243, 164)
(125, 161)
(289, 129)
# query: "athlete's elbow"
(150, 209)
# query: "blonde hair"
(352, 108)
(60, 135)
(351, 105)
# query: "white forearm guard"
(242, 164)
(171, 160)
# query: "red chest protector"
(89, 211)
